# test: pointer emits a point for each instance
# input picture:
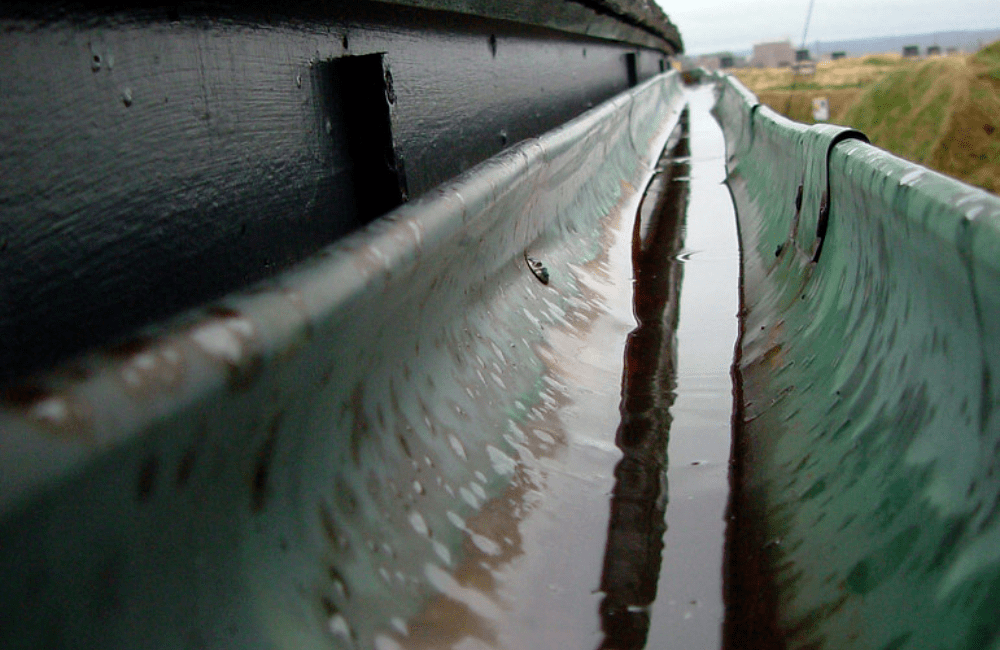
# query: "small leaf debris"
(537, 268)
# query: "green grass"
(943, 112)
(901, 114)
(989, 58)
(989, 55)
(811, 85)
(876, 60)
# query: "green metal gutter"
(867, 495)
(285, 468)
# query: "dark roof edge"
(639, 22)
(642, 14)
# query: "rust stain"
(771, 357)
(445, 622)
(151, 370)
(337, 539)
(75, 370)
(492, 536)
(301, 309)
(776, 352)
(230, 337)
(132, 346)
(347, 501)
(185, 467)
(259, 488)
(66, 416)
(408, 233)
(147, 479)
(370, 260)
(61, 414)
(492, 541)
(25, 395)
(360, 426)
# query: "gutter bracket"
(810, 225)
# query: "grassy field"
(943, 112)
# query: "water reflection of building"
(638, 504)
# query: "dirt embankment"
(943, 112)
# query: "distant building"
(911, 50)
(949, 42)
(802, 55)
(720, 61)
(837, 55)
(773, 55)
(933, 50)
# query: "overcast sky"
(714, 25)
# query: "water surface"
(610, 533)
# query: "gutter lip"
(322, 288)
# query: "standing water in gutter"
(388, 449)
(632, 559)
(649, 563)
(688, 610)
(676, 387)
(640, 396)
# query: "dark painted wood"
(637, 22)
(155, 160)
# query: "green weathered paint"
(870, 357)
(285, 469)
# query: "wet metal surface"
(866, 500)
(586, 573)
(393, 449)
(396, 443)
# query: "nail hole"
(185, 468)
(147, 478)
(259, 485)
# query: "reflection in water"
(637, 523)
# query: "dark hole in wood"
(357, 94)
(631, 69)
